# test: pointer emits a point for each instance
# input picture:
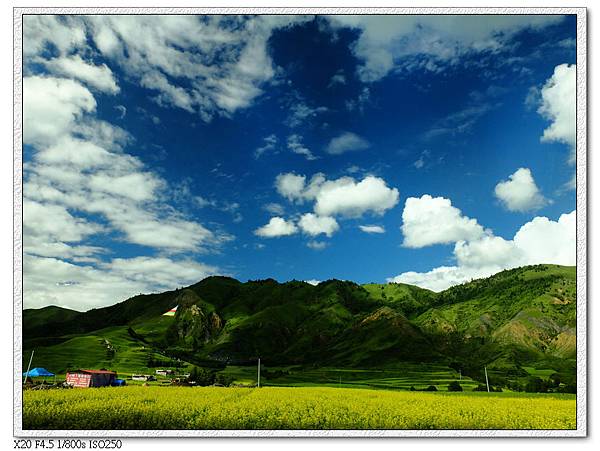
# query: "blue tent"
(37, 372)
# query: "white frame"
(581, 170)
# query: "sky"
(160, 150)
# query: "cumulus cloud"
(349, 198)
(558, 103)
(51, 106)
(433, 220)
(98, 77)
(276, 227)
(534, 238)
(519, 192)
(314, 225)
(387, 43)
(346, 142)
(344, 196)
(371, 228)
(290, 185)
(539, 241)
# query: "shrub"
(431, 388)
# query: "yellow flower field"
(138, 407)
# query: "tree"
(536, 385)
(454, 386)
(202, 376)
(223, 379)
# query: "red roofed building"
(91, 378)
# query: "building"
(142, 377)
(91, 378)
(165, 372)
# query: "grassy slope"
(336, 324)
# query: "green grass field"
(204, 408)
(402, 377)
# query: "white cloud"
(428, 220)
(274, 208)
(337, 79)
(51, 106)
(488, 251)
(349, 198)
(301, 112)
(519, 192)
(122, 111)
(213, 65)
(539, 241)
(360, 102)
(317, 245)
(314, 225)
(92, 175)
(313, 282)
(138, 186)
(294, 143)
(98, 77)
(429, 42)
(558, 103)
(346, 142)
(545, 241)
(371, 228)
(344, 196)
(50, 281)
(437, 279)
(276, 227)
(54, 222)
(269, 144)
(64, 32)
(290, 186)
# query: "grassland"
(418, 376)
(204, 408)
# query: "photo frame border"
(581, 215)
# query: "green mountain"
(517, 323)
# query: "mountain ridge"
(519, 317)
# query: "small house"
(142, 377)
(165, 372)
(91, 378)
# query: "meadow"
(202, 408)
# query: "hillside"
(514, 322)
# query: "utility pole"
(460, 375)
(487, 383)
(28, 367)
(258, 385)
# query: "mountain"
(515, 320)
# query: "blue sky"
(420, 149)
